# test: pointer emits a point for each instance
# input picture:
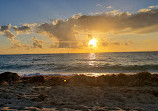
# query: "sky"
(67, 26)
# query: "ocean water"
(89, 63)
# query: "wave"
(108, 67)
(80, 67)
(17, 66)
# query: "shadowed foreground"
(120, 92)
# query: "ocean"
(88, 63)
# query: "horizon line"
(77, 53)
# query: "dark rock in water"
(9, 77)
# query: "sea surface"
(89, 63)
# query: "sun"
(93, 42)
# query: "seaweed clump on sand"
(139, 79)
(9, 77)
(33, 79)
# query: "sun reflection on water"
(92, 58)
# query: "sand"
(33, 97)
(121, 92)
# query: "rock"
(9, 77)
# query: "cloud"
(76, 16)
(109, 7)
(156, 6)
(18, 44)
(9, 34)
(116, 43)
(5, 27)
(144, 10)
(15, 43)
(103, 43)
(110, 43)
(129, 43)
(37, 43)
(99, 5)
(76, 31)
(22, 29)
(68, 31)
(26, 28)
(63, 31)
(68, 44)
(120, 23)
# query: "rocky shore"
(120, 92)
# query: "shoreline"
(96, 74)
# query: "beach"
(70, 93)
(79, 55)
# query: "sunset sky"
(68, 26)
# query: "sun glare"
(93, 42)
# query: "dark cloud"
(22, 29)
(62, 30)
(120, 23)
(129, 43)
(65, 44)
(110, 43)
(104, 43)
(116, 43)
(68, 44)
(6, 27)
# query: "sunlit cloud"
(9, 34)
(109, 7)
(153, 6)
(18, 44)
(144, 10)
